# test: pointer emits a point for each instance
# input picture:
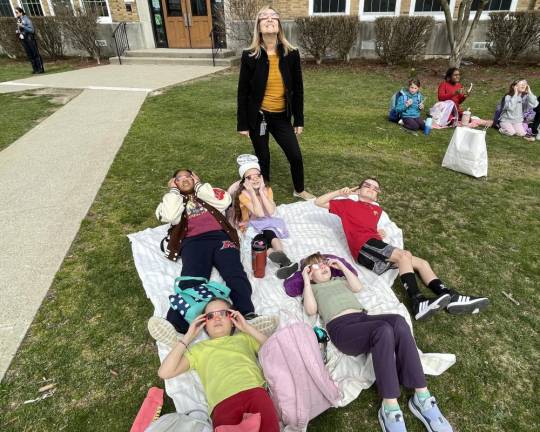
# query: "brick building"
(187, 23)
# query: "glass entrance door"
(158, 24)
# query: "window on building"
(100, 6)
(428, 6)
(62, 7)
(198, 8)
(32, 7)
(5, 9)
(174, 8)
(329, 6)
(380, 6)
(493, 5)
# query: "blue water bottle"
(427, 125)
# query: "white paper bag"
(467, 152)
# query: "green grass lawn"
(90, 337)
(21, 68)
(20, 113)
(11, 69)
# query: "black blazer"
(252, 85)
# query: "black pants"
(30, 46)
(536, 121)
(281, 129)
(199, 255)
(266, 236)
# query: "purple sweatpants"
(413, 123)
(389, 340)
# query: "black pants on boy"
(281, 129)
(30, 46)
(201, 253)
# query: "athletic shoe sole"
(416, 412)
(163, 331)
(433, 308)
(265, 324)
(472, 307)
(381, 421)
(286, 272)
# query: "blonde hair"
(315, 258)
(257, 41)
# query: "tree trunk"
(455, 58)
(459, 30)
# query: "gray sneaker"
(163, 331)
(392, 421)
(429, 414)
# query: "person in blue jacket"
(27, 35)
(409, 105)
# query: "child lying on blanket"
(201, 235)
(362, 222)
(254, 205)
(227, 365)
(387, 337)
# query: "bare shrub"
(512, 33)
(9, 41)
(345, 35)
(402, 39)
(316, 35)
(49, 36)
(81, 30)
(237, 18)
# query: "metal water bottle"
(466, 117)
(427, 125)
(258, 258)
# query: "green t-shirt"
(333, 297)
(226, 366)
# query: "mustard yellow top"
(244, 202)
(274, 96)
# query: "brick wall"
(117, 8)
(119, 13)
(292, 9)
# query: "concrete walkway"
(51, 175)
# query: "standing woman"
(25, 31)
(270, 92)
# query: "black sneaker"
(463, 304)
(424, 308)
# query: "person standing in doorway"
(27, 35)
(270, 94)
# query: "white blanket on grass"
(311, 229)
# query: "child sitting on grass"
(409, 106)
(387, 337)
(517, 101)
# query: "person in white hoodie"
(202, 237)
(518, 99)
